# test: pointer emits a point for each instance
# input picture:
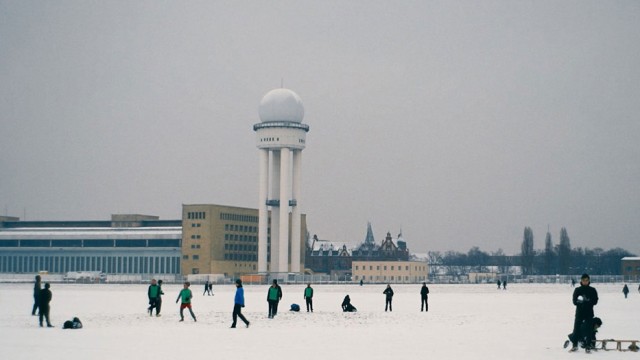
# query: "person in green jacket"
(274, 294)
(153, 293)
(308, 297)
(185, 295)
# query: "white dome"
(281, 105)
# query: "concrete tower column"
(275, 213)
(285, 195)
(295, 213)
(263, 210)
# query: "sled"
(633, 345)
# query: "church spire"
(369, 240)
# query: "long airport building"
(209, 239)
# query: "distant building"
(631, 266)
(324, 257)
(128, 244)
(387, 250)
(330, 259)
(218, 239)
(390, 271)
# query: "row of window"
(238, 217)
(196, 225)
(91, 243)
(267, 139)
(195, 236)
(241, 257)
(231, 256)
(236, 237)
(406, 268)
(240, 247)
(382, 278)
(242, 228)
(197, 215)
(107, 264)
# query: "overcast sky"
(457, 122)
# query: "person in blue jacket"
(238, 305)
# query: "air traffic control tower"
(281, 137)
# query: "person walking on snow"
(159, 298)
(625, 290)
(308, 297)
(389, 297)
(207, 288)
(43, 303)
(238, 304)
(185, 295)
(36, 293)
(274, 294)
(424, 295)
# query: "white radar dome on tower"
(281, 105)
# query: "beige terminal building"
(390, 271)
(218, 239)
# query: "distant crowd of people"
(274, 296)
(584, 298)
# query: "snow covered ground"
(528, 321)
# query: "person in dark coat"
(585, 298)
(238, 304)
(43, 303)
(424, 295)
(274, 295)
(346, 305)
(625, 290)
(499, 283)
(388, 298)
(72, 324)
(207, 288)
(159, 298)
(36, 293)
(504, 285)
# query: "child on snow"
(185, 295)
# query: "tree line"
(553, 259)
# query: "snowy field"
(464, 322)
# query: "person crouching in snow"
(346, 305)
(185, 295)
